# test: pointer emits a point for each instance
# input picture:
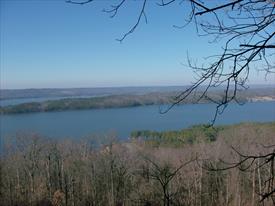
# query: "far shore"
(132, 100)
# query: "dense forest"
(153, 168)
(117, 101)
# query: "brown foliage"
(39, 171)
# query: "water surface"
(124, 120)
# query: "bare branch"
(79, 2)
(141, 13)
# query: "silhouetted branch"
(79, 2)
(141, 14)
(231, 4)
(258, 46)
(246, 162)
(247, 28)
(114, 9)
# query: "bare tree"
(164, 174)
(245, 28)
(252, 162)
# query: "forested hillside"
(145, 171)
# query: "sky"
(53, 44)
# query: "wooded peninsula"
(127, 100)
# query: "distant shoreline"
(128, 100)
(262, 99)
(6, 94)
(69, 92)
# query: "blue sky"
(50, 43)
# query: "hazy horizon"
(270, 84)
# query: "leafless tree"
(164, 174)
(245, 28)
(250, 162)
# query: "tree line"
(41, 171)
(127, 100)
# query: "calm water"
(124, 120)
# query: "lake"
(122, 121)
